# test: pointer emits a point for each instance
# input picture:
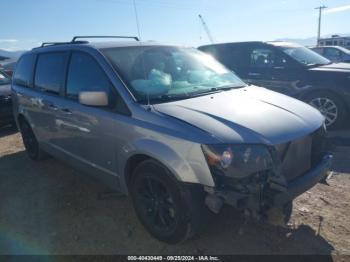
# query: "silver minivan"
(171, 127)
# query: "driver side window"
(265, 58)
(85, 75)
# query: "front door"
(86, 133)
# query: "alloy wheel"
(327, 107)
(157, 205)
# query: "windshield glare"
(158, 72)
(304, 55)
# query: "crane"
(206, 29)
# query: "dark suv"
(293, 70)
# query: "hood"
(334, 67)
(247, 115)
(5, 90)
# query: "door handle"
(66, 111)
(254, 74)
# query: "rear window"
(50, 71)
(24, 71)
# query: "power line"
(320, 9)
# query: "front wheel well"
(306, 95)
(131, 164)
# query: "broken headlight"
(237, 160)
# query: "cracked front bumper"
(268, 194)
(304, 182)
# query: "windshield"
(304, 55)
(160, 73)
(4, 79)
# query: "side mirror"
(93, 98)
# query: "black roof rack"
(75, 41)
(62, 43)
(105, 36)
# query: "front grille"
(299, 156)
(296, 157)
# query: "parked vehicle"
(6, 115)
(170, 126)
(336, 54)
(293, 70)
(8, 67)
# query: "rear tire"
(162, 204)
(30, 142)
(330, 106)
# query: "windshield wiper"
(318, 64)
(229, 87)
(164, 98)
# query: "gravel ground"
(49, 208)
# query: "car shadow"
(250, 237)
(7, 130)
(77, 214)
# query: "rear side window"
(50, 71)
(24, 71)
(85, 75)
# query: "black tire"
(340, 110)
(162, 205)
(30, 142)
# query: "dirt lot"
(49, 208)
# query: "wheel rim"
(327, 107)
(157, 205)
(29, 139)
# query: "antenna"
(137, 20)
(206, 29)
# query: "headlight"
(237, 160)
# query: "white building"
(337, 40)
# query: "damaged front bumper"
(303, 183)
(272, 191)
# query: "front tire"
(330, 106)
(160, 204)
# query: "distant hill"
(11, 54)
(310, 41)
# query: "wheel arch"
(313, 91)
(183, 164)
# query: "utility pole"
(206, 29)
(320, 9)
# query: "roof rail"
(105, 36)
(62, 43)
